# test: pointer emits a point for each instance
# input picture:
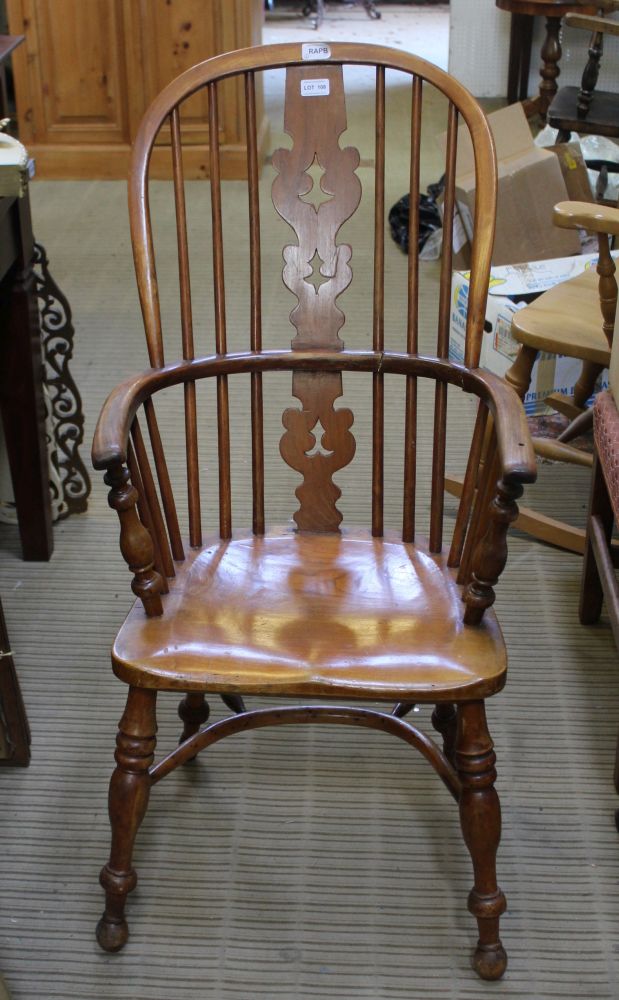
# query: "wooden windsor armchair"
(314, 612)
(575, 318)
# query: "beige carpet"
(304, 862)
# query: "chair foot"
(128, 798)
(490, 961)
(112, 936)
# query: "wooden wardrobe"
(88, 71)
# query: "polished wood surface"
(566, 320)
(316, 611)
(314, 616)
(88, 71)
(594, 218)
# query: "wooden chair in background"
(584, 109)
(314, 612)
(575, 318)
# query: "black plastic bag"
(429, 216)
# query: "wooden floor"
(294, 863)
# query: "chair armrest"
(587, 215)
(591, 23)
(516, 453)
(112, 431)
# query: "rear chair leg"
(128, 799)
(444, 720)
(193, 712)
(480, 818)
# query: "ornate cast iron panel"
(69, 476)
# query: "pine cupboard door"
(88, 70)
(170, 36)
(71, 79)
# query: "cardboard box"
(530, 185)
(574, 170)
(511, 288)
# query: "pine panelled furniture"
(575, 318)
(519, 58)
(88, 71)
(315, 612)
(585, 109)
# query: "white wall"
(479, 49)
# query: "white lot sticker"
(310, 52)
(314, 88)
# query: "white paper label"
(314, 88)
(309, 51)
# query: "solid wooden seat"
(320, 616)
(566, 320)
(602, 114)
(346, 614)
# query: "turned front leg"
(128, 799)
(480, 818)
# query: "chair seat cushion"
(567, 319)
(606, 433)
(316, 615)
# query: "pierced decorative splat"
(315, 124)
(316, 191)
(316, 196)
(318, 432)
(317, 494)
(316, 278)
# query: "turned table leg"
(549, 70)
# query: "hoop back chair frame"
(150, 537)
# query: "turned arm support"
(510, 430)
(490, 553)
(136, 543)
(604, 221)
